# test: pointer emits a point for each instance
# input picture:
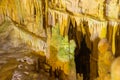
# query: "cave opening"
(82, 52)
(82, 60)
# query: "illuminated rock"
(112, 9)
(105, 58)
(33, 21)
(115, 69)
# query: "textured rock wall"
(99, 16)
(96, 19)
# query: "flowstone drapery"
(105, 59)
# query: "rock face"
(95, 19)
(115, 68)
(34, 19)
(105, 59)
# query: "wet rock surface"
(17, 60)
(20, 63)
(18, 66)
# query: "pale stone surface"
(115, 69)
(112, 10)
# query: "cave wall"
(96, 19)
(100, 18)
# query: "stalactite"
(87, 34)
(103, 31)
(63, 24)
(79, 22)
(114, 25)
(51, 18)
(97, 29)
(17, 10)
(63, 20)
(8, 8)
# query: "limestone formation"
(33, 21)
(105, 58)
(115, 69)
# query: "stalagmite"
(105, 58)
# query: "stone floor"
(21, 63)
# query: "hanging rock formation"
(33, 21)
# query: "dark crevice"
(82, 60)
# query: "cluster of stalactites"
(96, 28)
(28, 12)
